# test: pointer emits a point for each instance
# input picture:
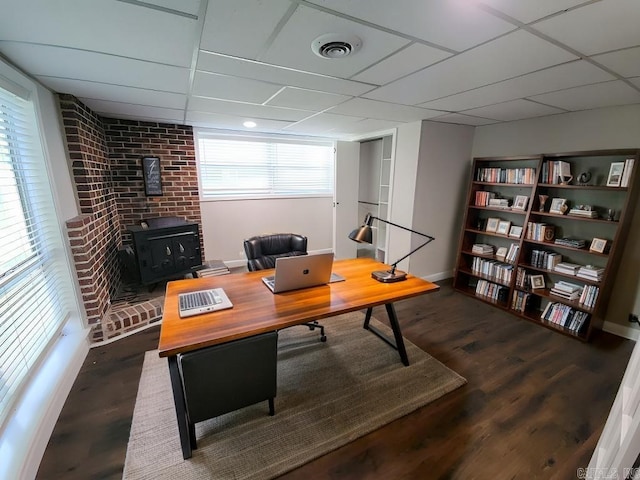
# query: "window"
(34, 285)
(258, 167)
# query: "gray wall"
(617, 127)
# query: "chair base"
(313, 325)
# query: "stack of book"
(482, 249)
(512, 254)
(571, 242)
(540, 232)
(492, 290)
(566, 290)
(590, 272)
(589, 296)
(583, 213)
(492, 268)
(567, 268)
(483, 198)
(499, 203)
(213, 268)
(564, 315)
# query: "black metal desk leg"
(397, 333)
(181, 408)
(367, 318)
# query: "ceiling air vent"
(333, 45)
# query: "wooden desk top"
(256, 310)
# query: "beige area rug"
(328, 395)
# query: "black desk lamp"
(364, 235)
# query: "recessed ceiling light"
(249, 124)
(333, 45)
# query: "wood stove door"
(162, 256)
(186, 251)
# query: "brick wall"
(106, 157)
(94, 235)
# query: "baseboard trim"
(630, 333)
(436, 277)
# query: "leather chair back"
(262, 251)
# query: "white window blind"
(257, 167)
(34, 287)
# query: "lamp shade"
(362, 234)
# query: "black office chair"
(262, 252)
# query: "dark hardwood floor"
(534, 405)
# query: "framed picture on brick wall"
(151, 176)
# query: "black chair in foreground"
(263, 250)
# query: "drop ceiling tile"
(527, 12)
(233, 122)
(514, 54)
(624, 62)
(292, 46)
(555, 78)
(118, 28)
(322, 123)
(513, 110)
(190, 7)
(635, 81)
(212, 62)
(241, 27)
(367, 125)
(605, 94)
(306, 99)
(208, 105)
(115, 109)
(225, 87)
(406, 61)
(362, 107)
(596, 28)
(462, 119)
(96, 67)
(457, 25)
(115, 93)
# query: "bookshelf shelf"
(533, 177)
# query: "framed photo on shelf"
(537, 281)
(503, 227)
(615, 174)
(515, 231)
(558, 205)
(492, 224)
(520, 202)
(598, 245)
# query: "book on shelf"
(589, 296)
(578, 212)
(501, 254)
(590, 272)
(499, 203)
(626, 173)
(545, 259)
(483, 198)
(568, 268)
(540, 232)
(570, 242)
(565, 316)
(524, 176)
(482, 249)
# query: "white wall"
(226, 224)
(607, 128)
(441, 183)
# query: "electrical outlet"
(633, 318)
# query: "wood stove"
(166, 248)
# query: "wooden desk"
(256, 310)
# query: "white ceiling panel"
(454, 24)
(226, 87)
(209, 105)
(527, 12)
(494, 61)
(625, 62)
(555, 78)
(115, 109)
(406, 61)
(596, 28)
(190, 7)
(96, 67)
(233, 122)
(116, 93)
(108, 26)
(211, 62)
(361, 107)
(635, 81)
(366, 126)
(292, 46)
(514, 110)
(591, 96)
(322, 123)
(241, 27)
(461, 119)
(306, 99)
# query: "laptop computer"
(202, 301)
(304, 271)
